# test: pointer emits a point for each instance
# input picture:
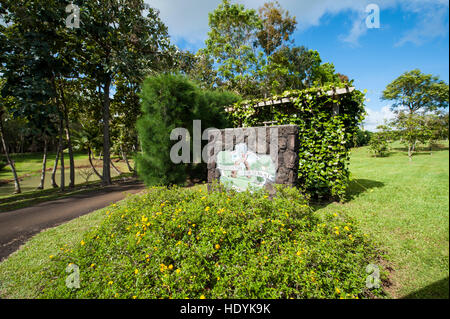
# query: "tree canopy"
(417, 92)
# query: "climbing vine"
(327, 124)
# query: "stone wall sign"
(254, 157)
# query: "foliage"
(277, 26)
(378, 144)
(324, 139)
(251, 53)
(417, 91)
(183, 243)
(361, 138)
(412, 129)
(230, 44)
(169, 102)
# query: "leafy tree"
(417, 92)
(289, 68)
(277, 27)
(35, 60)
(379, 141)
(198, 67)
(231, 43)
(413, 129)
(117, 39)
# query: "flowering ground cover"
(186, 243)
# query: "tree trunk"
(115, 168)
(92, 165)
(44, 164)
(125, 158)
(61, 153)
(17, 189)
(106, 141)
(55, 167)
(69, 140)
(410, 152)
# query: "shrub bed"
(186, 243)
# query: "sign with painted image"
(242, 168)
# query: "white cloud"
(375, 118)
(431, 24)
(188, 20)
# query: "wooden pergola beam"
(286, 100)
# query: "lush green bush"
(378, 144)
(168, 102)
(185, 243)
(325, 137)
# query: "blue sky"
(412, 34)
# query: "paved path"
(17, 226)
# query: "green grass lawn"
(405, 207)
(31, 163)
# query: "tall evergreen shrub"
(173, 101)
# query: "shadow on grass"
(358, 186)
(355, 188)
(437, 290)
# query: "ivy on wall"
(327, 124)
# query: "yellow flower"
(51, 256)
(82, 243)
(346, 228)
(338, 291)
(207, 208)
(110, 283)
(202, 297)
(92, 265)
(217, 246)
(299, 253)
(337, 232)
(178, 271)
(170, 267)
(134, 297)
(136, 271)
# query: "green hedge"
(185, 243)
(325, 139)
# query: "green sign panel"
(241, 168)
